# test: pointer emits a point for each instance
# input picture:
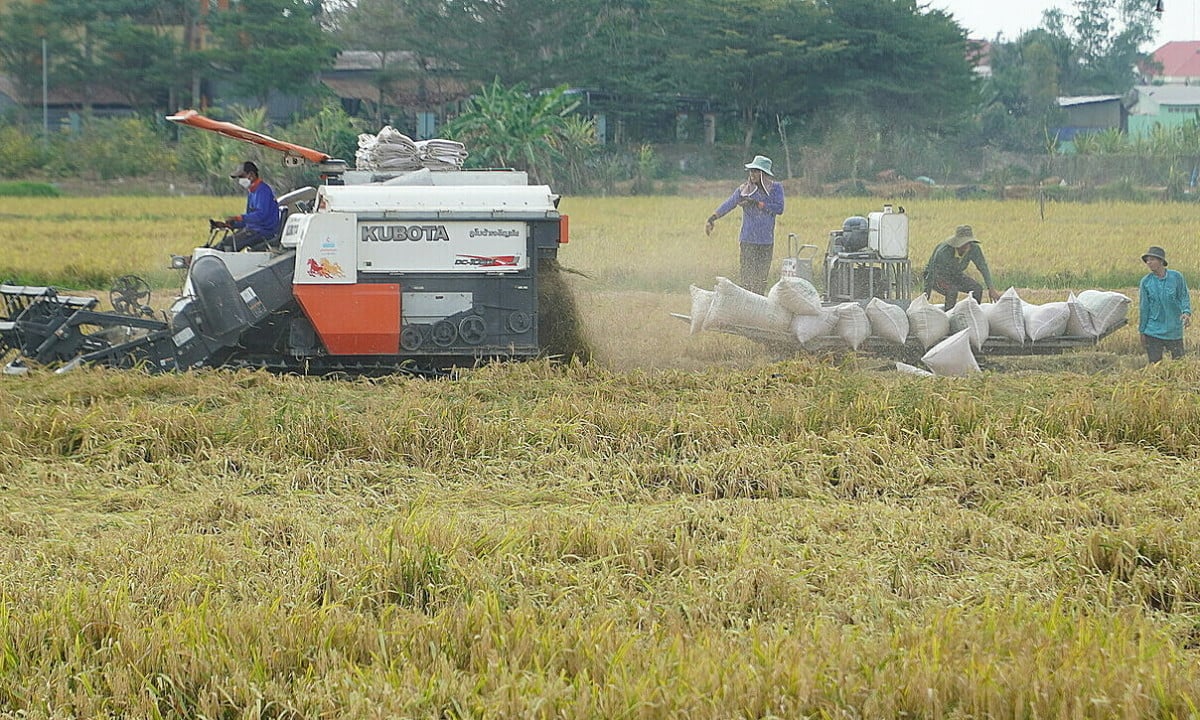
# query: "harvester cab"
(375, 271)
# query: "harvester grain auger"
(374, 271)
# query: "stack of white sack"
(390, 149)
(793, 306)
(733, 306)
(438, 154)
(1092, 314)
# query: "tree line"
(872, 75)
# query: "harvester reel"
(129, 296)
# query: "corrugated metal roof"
(1086, 100)
(1170, 94)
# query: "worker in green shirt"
(946, 270)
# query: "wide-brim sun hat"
(1156, 251)
(761, 162)
(962, 235)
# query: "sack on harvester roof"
(735, 306)
(888, 321)
(1006, 316)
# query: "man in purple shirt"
(761, 199)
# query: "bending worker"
(946, 270)
(761, 200)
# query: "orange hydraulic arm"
(237, 132)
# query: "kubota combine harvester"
(373, 272)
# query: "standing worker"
(1164, 308)
(258, 226)
(946, 271)
(761, 199)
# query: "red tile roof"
(1178, 58)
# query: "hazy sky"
(985, 18)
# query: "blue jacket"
(262, 210)
(758, 222)
(1160, 303)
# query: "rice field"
(686, 527)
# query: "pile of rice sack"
(793, 309)
(392, 150)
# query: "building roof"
(1170, 94)
(1178, 58)
(1086, 100)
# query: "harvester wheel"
(444, 333)
(410, 338)
(129, 295)
(472, 329)
(519, 322)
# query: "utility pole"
(45, 98)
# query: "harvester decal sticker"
(326, 268)
(488, 260)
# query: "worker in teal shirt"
(1164, 308)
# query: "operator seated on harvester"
(946, 270)
(256, 228)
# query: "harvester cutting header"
(374, 270)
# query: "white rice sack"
(1081, 323)
(952, 356)
(808, 327)
(852, 324)
(927, 322)
(733, 306)
(912, 370)
(968, 315)
(796, 295)
(1046, 321)
(1006, 316)
(1107, 307)
(888, 321)
(701, 302)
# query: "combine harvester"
(373, 272)
(866, 304)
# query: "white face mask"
(244, 182)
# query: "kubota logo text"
(390, 233)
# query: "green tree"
(1098, 45)
(23, 28)
(512, 127)
(268, 45)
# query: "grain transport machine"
(868, 258)
(372, 272)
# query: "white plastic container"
(887, 233)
